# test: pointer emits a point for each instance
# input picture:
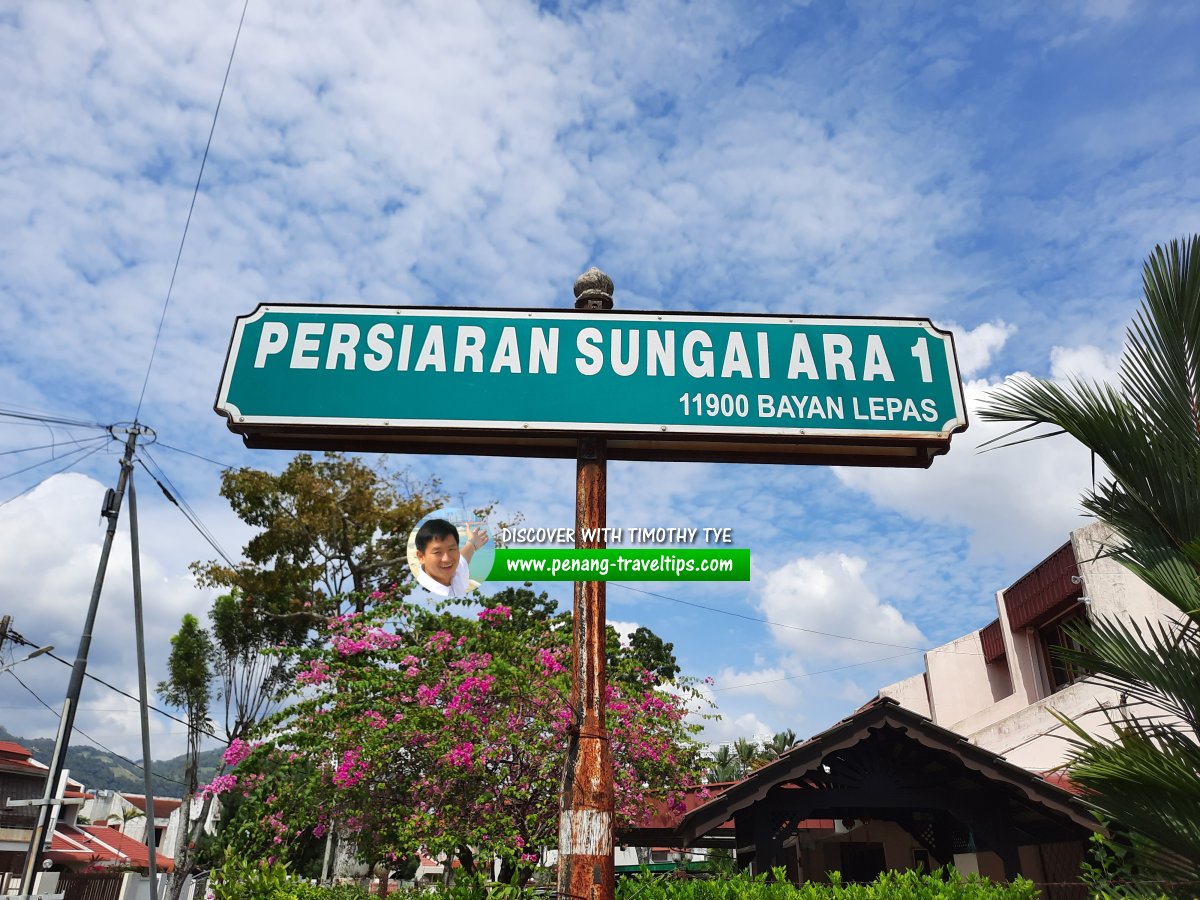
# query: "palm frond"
(1143, 769)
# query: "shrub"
(888, 886)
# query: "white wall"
(958, 691)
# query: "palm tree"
(747, 755)
(125, 816)
(724, 766)
(780, 744)
(1146, 430)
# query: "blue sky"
(1002, 169)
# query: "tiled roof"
(884, 721)
(103, 845)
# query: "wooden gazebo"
(926, 792)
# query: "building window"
(1059, 672)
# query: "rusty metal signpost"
(585, 824)
(595, 384)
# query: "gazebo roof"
(885, 757)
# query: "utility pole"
(143, 701)
(585, 824)
(111, 510)
(5, 624)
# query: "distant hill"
(98, 769)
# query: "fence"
(91, 885)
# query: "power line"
(215, 462)
(37, 418)
(737, 615)
(21, 639)
(50, 460)
(738, 687)
(73, 462)
(53, 446)
(89, 737)
(182, 505)
(191, 208)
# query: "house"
(77, 847)
(999, 686)
(128, 813)
(73, 847)
(20, 779)
(24, 778)
(174, 819)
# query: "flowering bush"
(449, 732)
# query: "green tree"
(747, 753)
(125, 816)
(1146, 430)
(329, 532)
(530, 611)
(249, 679)
(652, 654)
(644, 658)
(187, 688)
(723, 765)
(778, 745)
(329, 529)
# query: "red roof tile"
(103, 845)
(1061, 780)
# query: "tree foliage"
(428, 729)
(249, 680)
(1146, 430)
(644, 652)
(732, 762)
(328, 530)
(187, 687)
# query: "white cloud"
(767, 683)
(827, 595)
(725, 158)
(977, 346)
(1017, 502)
(50, 542)
(728, 729)
(624, 630)
(1108, 10)
(1086, 362)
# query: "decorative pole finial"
(593, 290)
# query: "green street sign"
(658, 385)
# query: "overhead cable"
(21, 639)
(50, 460)
(738, 687)
(173, 494)
(126, 759)
(829, 634)
(53, 446)
(215, 462)
(44, 419)
(191, 208)
(73, 462)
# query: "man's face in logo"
(440, 559)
